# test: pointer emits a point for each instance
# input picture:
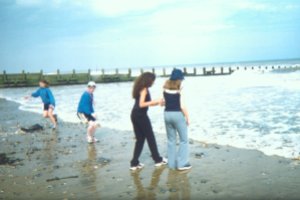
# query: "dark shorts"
(89, 117)
(47, 106)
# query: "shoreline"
(61, 165)
(22, 107)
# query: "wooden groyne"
(25, 79)
(31, 79)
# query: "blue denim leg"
(183, 152)
(171, 134)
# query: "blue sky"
(81, 34)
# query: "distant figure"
(85, 112)
(141, 122)
(48, 99)
(176, 121)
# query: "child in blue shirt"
(48, 99)
(85, 112)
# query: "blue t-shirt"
(86, 103)
(46, 95)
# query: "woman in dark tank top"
(141, 122)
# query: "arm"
(36, 93)
(184, 111)
(90, 102)
(143, 103)
(92, 108)
(51, 97)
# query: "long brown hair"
(145, 80)
(173, 85)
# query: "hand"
(156, 102)
(162, 102)
(187, 121)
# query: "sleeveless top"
(172, 101)
(137, 108)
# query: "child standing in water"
(48, 99)
(141, 122)
(86, 111)
(176, 120)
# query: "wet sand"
(61, 165)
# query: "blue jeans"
(176, 123)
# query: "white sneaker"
(139, 166)
(163, 162)
(89, 139)
(186, 167)
(95, 140)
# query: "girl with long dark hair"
(141, 122)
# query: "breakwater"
(26, 79)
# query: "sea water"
(248, 109)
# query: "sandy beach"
(61, 165)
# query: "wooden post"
(266, 67)
(213, 70)
(23, 75)
(195, 71)
(164, 72)
(273, 67)
(184, 71)
(153, 70)
(252, 68)
(204, 71)
(222, 70)
(238, 68)
(117, 71)
(129, 72)
(4, 76)
(89, 75)
(103, 71)
(57, 75)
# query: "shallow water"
(251, 110)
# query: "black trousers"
(143, 130)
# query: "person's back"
(172, 100)
(176, 121)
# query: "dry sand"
(34, 165)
